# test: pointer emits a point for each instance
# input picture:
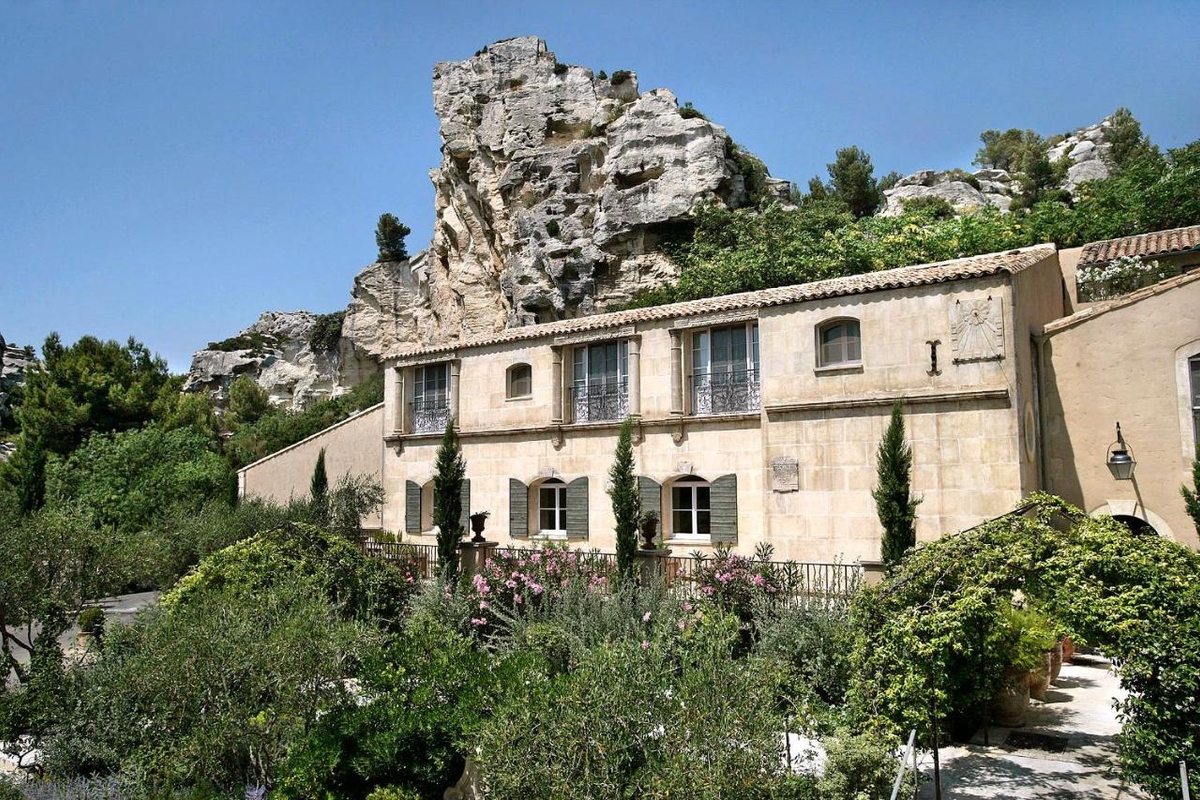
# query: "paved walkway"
(1065, 750)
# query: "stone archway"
(1136, 517)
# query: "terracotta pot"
(1068, 649)
(1056, 661)
(1039, 680)
(1012, 700)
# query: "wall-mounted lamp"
(1120, 458)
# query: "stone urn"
(1056, 661)
(1068, 649)
(649, 527)
(1012, 699)
(478, 521)
(1039, 679)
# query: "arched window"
(691, 514)
(520, 381)
(1194, 376)
(839, 343)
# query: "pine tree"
(1191, 497)
(450, 470)
(318, 490)
(893, 502)
(390, 233)
(852, 179)
(625, 502)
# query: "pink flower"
(682, 624)
(478, 621)
(645, 645)
(757, 580)
(646, 617)
(687, 606)
(483, 605)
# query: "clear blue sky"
(168, 170)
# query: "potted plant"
(1028, 637)
(648, 522)
(478, 519)
(91, 624)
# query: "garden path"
(1065, 750)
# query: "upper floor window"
(520, 381)
(600, 381)
(1194, 370)
(839, 343)
(431, 398)
(725, 375)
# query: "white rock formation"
(1087, 149)
(947, 185)
(284, 364)
(14, 362)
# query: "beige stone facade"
(758, 415)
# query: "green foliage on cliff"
(326, 332)
(747, 249)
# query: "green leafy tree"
(248, 402)
(354, 497)
(853, 181)
(1012, 150)
(449, 472)
(893, 495)
(390, 234)
(623, 491)
(1128, 144)
(1191, 497)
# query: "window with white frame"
(600, 381)
(839, 343)
(431, 398)
(691, 514)
(552, 508)
(725, 377)
(520, 381)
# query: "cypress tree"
(893, 501)
(450, 470)
(625, 502)
(1191, 498)
(318, 490)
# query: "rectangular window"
(839, 343)
(552, 509)
(431, 398)
(1195, 365)
(690, 509)
(600, 381)
(725, 376)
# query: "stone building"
(758, 414)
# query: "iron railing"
(599, 401)
(731, 392)
(430, 413)
(799, 580)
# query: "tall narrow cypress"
(624, 493)
(893, 498)
(450, 470)
(318, 492)
(1191, 499)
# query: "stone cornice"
(969, 396)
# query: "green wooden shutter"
(518, 509)
(577, 509)
(723, 505)
(464, 518)
(412, 507)
(650, 492)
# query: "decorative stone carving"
(785, 474)
(977, 329)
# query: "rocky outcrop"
(14, 363)
(275, 352)
(1086, 149)
(963, 192)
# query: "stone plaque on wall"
(785, 474)
(977, 329)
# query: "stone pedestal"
(872, 571)
(473, 555)
(652, 566)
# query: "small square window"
(839, 343)
(520, 381)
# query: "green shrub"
(326, 332)
(861, 767)
(620, 76)
(552, 227)
(91, 620)
(560, 68)
(688, 111)
(932, 205)
(602, 75)
(259, 344)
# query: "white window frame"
(843, 359)
(582, 378)
(1194, 385)
(691, 484)
(559, 488)
(701, 363)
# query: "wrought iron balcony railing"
(430, 413)
(733, 392)
(599, 402)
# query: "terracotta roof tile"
(1096, 309)
(1147, 244)
(1010, 262)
